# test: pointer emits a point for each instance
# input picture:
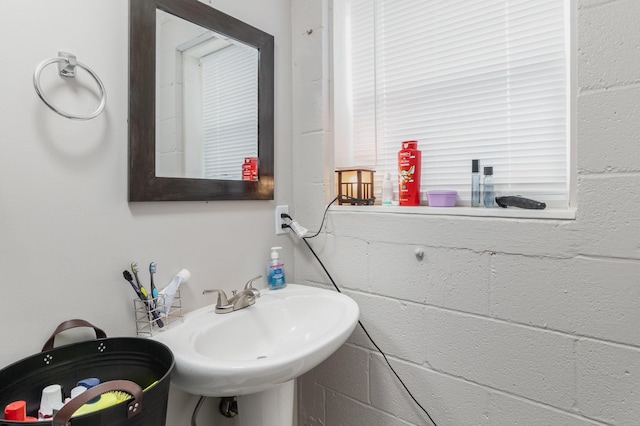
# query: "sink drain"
(262, 357)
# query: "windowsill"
(557, 214)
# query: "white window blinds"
(468, 79)
(229, 109)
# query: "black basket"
(122, 363)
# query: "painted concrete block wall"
(67, 229)
(503, 321)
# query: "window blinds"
(229, 109)
(468, 79)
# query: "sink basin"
(284, 334)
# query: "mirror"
(201, 93)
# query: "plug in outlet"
(280, 220)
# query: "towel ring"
(67, 64)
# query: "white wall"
(67, 228)
(504, 321)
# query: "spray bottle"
(275, 271)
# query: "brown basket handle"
(74, 323)
(134, 406)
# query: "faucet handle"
(249, 286)
(222, 297)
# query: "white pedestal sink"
(257, 352)
(273, 407)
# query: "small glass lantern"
(354, 186)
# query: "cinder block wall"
(503, 321)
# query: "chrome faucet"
(242, 299)
(249, 286)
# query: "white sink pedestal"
(273, 407)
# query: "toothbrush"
(135, 269)
(154, 290)
(152, 270)
(127, 276)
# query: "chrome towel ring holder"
(67, 64)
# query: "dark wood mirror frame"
(144, 185)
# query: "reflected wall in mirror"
(201, 104)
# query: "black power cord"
(359, 322)
(324, 216)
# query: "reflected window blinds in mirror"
(209, 124)
(200, 106)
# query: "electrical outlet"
(280, 220)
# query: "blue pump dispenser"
(275, 271)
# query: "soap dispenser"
(275, 271)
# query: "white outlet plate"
(280, 221)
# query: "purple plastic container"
(441, 198)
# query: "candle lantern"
(354, 186)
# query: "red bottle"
(409, 165)
(250, 168)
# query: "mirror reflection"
(207, 103)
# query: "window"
(468, 79)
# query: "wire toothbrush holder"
(153, 315)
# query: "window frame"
(337, 113)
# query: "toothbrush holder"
(153, 315)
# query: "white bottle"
(170, 291)
(387, 190)
(275, 271)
